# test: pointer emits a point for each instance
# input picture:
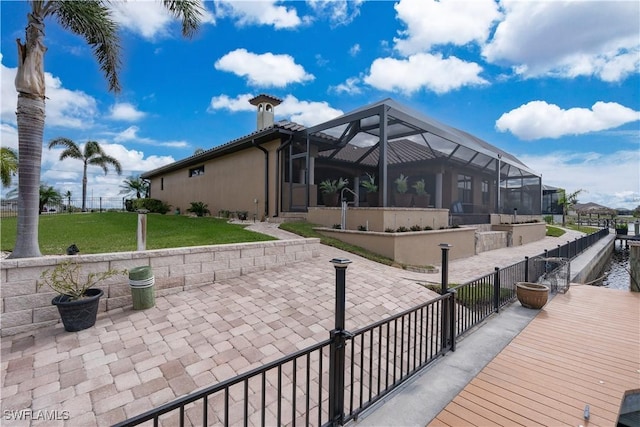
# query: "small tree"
(48, 194)
(135, 185)
(8, 165)
(567, 201)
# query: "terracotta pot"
(330, 199)
(403, 200)
(422, 200)
(372, 198)
(532, 295)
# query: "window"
(161, 184)
(485, 192)
(196, 171)
(464, 189)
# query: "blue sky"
(557, 84)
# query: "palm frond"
(189, 11)
(92, 20)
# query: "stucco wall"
(24, 308)
(413, 248)
(231, 182)
(380, 219)
(521, 234)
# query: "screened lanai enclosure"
(413, 160)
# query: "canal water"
(617, 269)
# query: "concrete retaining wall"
(588, 265)
(24, 307)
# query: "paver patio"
(132, 361)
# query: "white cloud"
(264, 12)
(537, 119)
(65, 108)
(338, 12)
(568, 39)
(67, 175)
(265, 70)
(573, 171)
(148, 19)
(355, 50)
(126, 112)
(9, 136)
(423, 71)
(223, 102)
(131, 135)
(350, 86)
(307, 113)
(430, 23)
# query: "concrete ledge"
(23, 308)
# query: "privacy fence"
(334, 381)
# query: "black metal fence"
(9, 207)
(327, 385)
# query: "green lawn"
(554, 231)
(117, 232)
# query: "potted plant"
(330, 189)
(622, 229)
(403, 199)
(372, 190)
(422, 198)
(78, 299)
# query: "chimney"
(266, 105)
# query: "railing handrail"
(451, 334)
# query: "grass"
(117, 232)
(582, 229)
(305, 229)
(554, 231)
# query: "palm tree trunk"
(30, 117)
(84, 187)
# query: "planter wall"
(24, 308)
(522, 234)
(379, 219)
(414, 247)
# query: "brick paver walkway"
(132, 361)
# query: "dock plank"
(582, 348)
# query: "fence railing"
(9, 208)
(326, 385)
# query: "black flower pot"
(78, 314)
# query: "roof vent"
(266, 105)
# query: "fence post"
(526, 269)
(337, 356)
(452, 317)
(496, 290)
(444, 289)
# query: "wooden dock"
(582, 349)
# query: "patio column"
(438, 200)
(312, 167)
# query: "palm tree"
(135, 184)
(567, 201)
(68, 197)
(8, 165)
(90, 154)
(90, 19)
(48, 194)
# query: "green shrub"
(416, 228)
(152, 205)
(402, 229)
(199, 208)
(362, 228)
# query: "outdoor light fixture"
(340, 262)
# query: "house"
(277, 169)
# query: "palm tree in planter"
(78, 300)
(422, 198)
(403, 199)
(90, 154)
(92, 20)
(372, 190)
(330, 189)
